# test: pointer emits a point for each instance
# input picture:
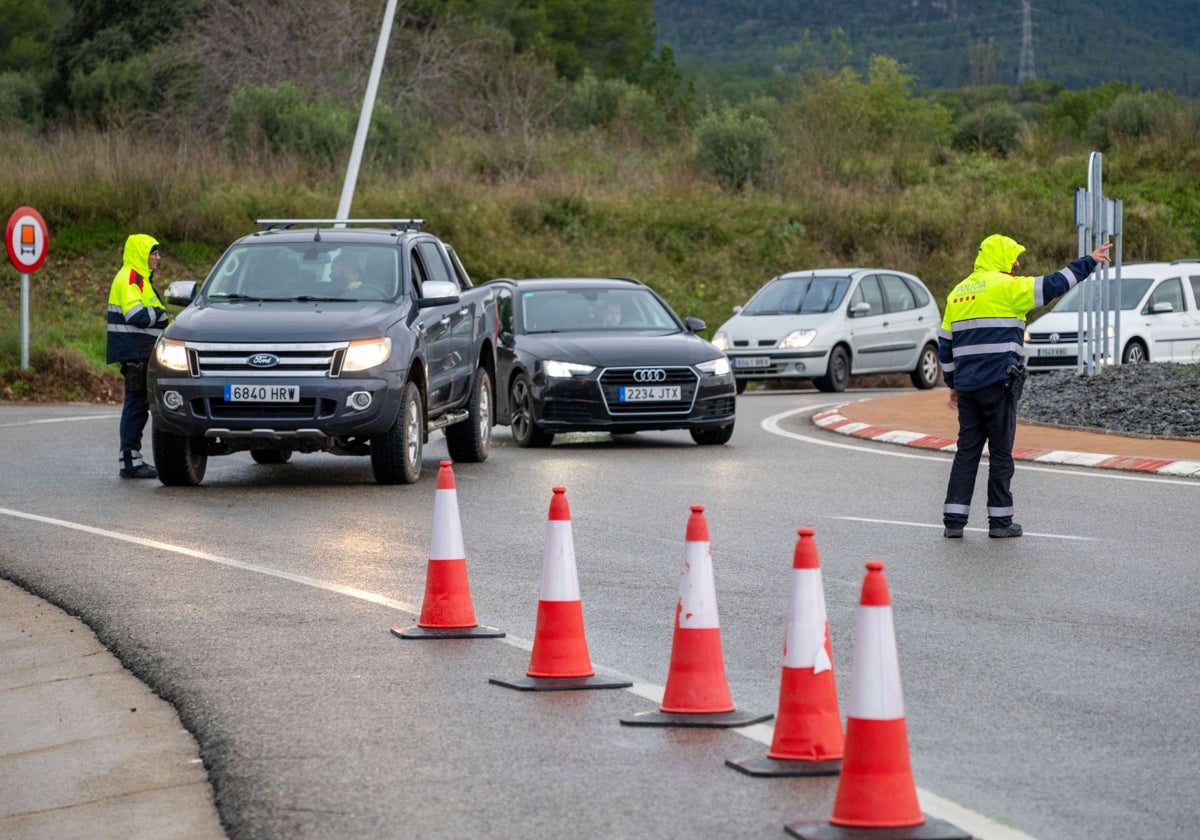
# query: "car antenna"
(317, 235)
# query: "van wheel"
(396, 454)
(838, 375)
(925, 375)
(1135, 353)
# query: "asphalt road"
(1049, 682)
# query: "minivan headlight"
(171, 354)
(797, 339)
(367, 353)
(716, 367)
(721, 341)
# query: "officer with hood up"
(981, 349)
(136, 318)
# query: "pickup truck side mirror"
(694, 325)
(438, 293)
(181, 292)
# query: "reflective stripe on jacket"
(136, 316)
(983, 328)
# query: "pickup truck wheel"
(396, 454)
(713, 437)
(524, 430)
(271, 456)
(179, 459)
(471, 440)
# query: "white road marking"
(60, 420)
(939, 527)
(977, 825)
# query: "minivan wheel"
(925, 375)
(835, 379)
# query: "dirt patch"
(61, 375)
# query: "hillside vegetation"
(530, 171)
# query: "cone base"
(766, 766)
(478, 631)
(720, 720)
(929, 830)
(560, 683)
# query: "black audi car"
(604, 354)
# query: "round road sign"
(27, 239)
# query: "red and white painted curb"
(834, 421)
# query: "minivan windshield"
(1133, 289)
(794, 294)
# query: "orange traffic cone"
(697, 692)
(876, 790)
(447, 612)
(560, 660)
(808, 737)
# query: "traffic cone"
(697, 692)
(808, 737)
(560, 660)
(447, 612)
(876, 794)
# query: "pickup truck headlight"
(171, 354)
(721, 341)
(561, 370)
(797, 339)
(716, 367)
(367, 353)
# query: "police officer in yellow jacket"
(981, 348)
(136, 318)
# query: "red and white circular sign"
(27, 239)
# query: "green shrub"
(279, 119)
(20, 99)
(995, 127)
(738, 149)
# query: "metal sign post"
(28, 243)
(1098, 340)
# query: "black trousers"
(989, 416)
(136, 410)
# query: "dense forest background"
(943, 43)
(574, 137)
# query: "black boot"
(132, 466)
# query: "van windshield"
(795, 295)
(1133, 289)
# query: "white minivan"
(1158, 319)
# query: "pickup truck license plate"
(650, 394)
(262, 393)
(751, 362)
(1063, 350)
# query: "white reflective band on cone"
(697, 594)
(875, 681)
(560, 581)
(447, 541)
(804, 644)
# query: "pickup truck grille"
(291, 360)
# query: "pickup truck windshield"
(306, 271)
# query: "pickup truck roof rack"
(284, 224)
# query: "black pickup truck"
(354, 337)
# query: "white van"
(1159, 319)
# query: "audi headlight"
(797, 339)
(721, 341)
(171, 354)
(561, 370)
(716, 367)
(367, 353)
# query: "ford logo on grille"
(650, 375)
(263, 360)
